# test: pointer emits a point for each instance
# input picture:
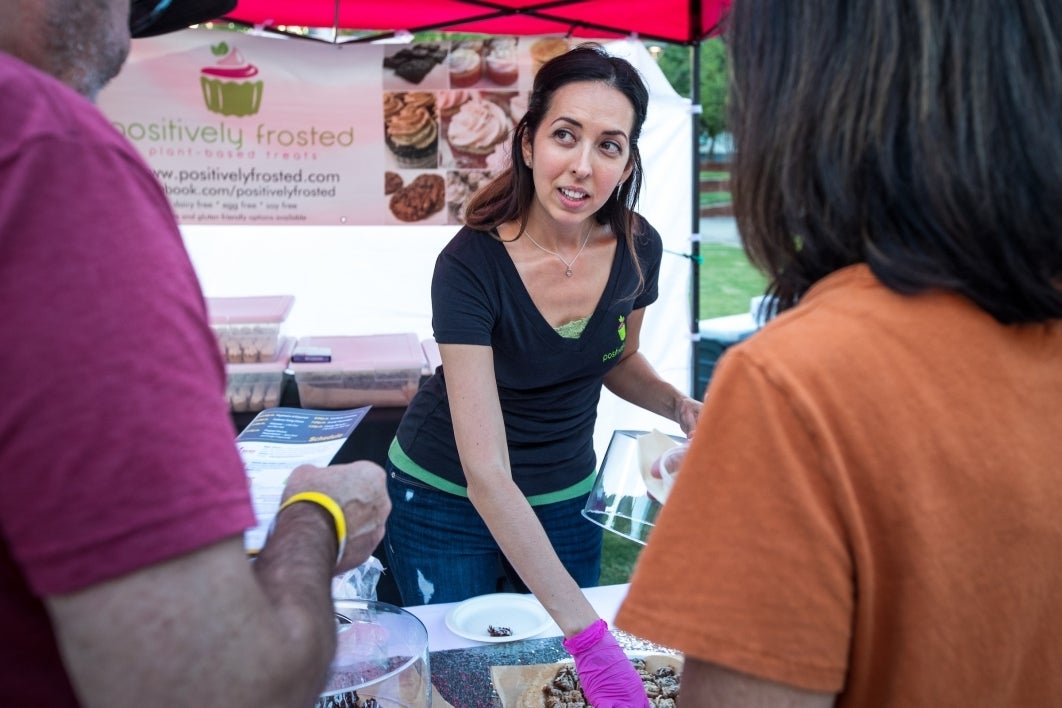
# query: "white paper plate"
(521, 613)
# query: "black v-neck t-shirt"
(548, 385)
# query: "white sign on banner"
(245, 129)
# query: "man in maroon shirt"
(123, 577)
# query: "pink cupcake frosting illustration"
(227, 84)
(621, 330)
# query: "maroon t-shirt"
(116, 447)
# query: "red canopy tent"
(685, 22)
(676, 21)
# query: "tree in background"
(674, 62)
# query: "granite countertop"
(462, 676)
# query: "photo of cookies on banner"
(415, 197)
(488, 63)
(476, 125)
(411, 129)
(421, 65)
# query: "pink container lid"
(248, 310)
(365, 352)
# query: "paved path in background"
(719, 229)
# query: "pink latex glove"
(606, 674)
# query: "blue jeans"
(439, 549)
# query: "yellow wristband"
(330, 505)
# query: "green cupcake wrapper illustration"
(232, 98)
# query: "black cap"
(148, 18)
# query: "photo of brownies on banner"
(415, 66)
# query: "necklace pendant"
(568, 272)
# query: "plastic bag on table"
(358, 583)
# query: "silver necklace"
(569, 264)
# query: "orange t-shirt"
(872, 506)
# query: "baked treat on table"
(557, 685)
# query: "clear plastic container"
(376, 369)
(620, 500)
(255, 387)
(249, 328)
(382, 656)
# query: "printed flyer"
(248, 129)
(277, 441)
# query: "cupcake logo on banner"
(228, 88)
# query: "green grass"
(715, 176)
(617, 559)
(728, 281)
(714, 198)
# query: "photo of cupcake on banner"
(474, 123)
(499, 56)
(484, 63)
(411, 129)
(465, 64)
(421, 65)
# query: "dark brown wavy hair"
(508, 196)
(922, 137)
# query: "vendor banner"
(248, 129)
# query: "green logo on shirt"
(621, 330)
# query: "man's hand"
(360, 489)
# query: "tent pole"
(695, 233)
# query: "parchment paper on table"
(533, 686)
(650, 447)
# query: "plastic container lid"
(382, 653)
(365, 352)
(247, 310)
